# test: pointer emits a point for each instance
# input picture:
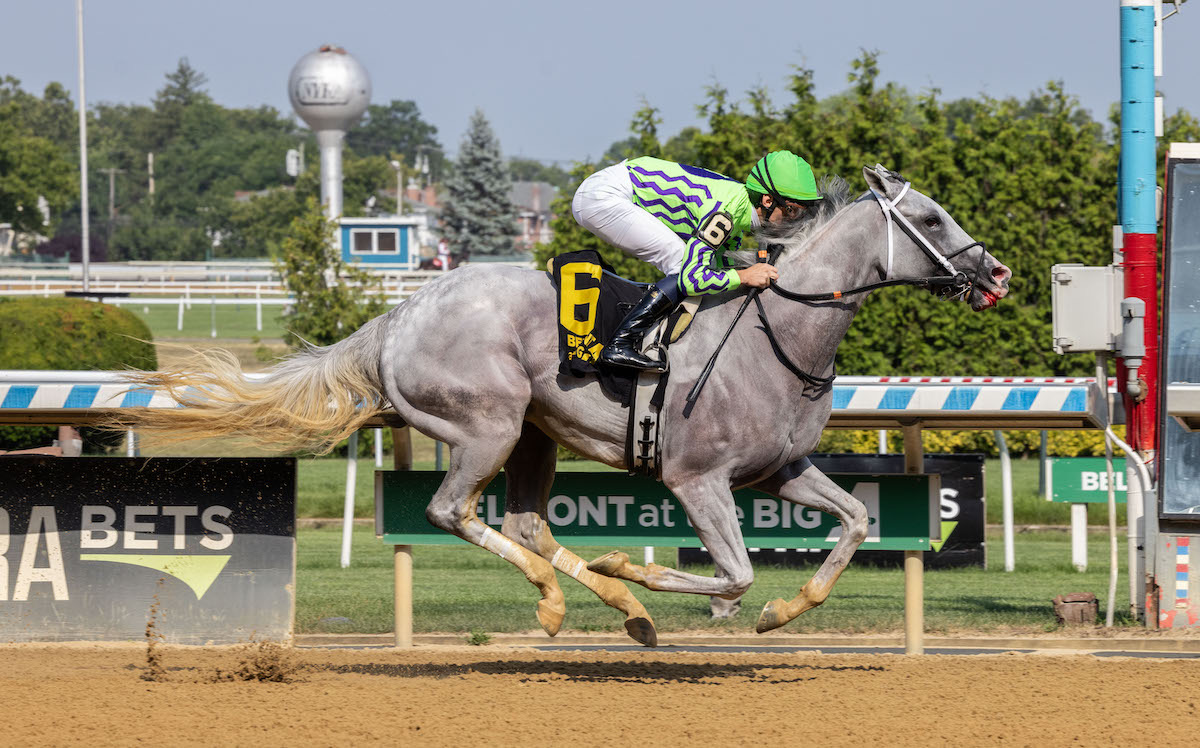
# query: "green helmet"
(783, 174)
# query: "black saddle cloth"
(592, 302)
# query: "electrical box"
(1087, 307)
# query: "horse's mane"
(794, 235)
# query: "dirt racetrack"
(475, 696)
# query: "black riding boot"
(625, 347)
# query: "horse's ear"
(883, 180)
(875, 180)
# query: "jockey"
(682, 219)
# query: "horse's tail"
(310, 400)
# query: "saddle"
(592, 301)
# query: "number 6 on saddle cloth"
(592, 301)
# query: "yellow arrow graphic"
(947, 528)
(197, 572)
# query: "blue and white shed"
(383, 240)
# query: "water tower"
(330, 90)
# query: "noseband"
(956, 284)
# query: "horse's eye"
(933, 222)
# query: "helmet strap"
(764, 178)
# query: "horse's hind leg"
(801, 483)
(529, 472)
(473, 463)
(710, 509)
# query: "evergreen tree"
(477, 215)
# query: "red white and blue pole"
(1136, 206)
(1136, 203)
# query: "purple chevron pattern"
(663, 203)
(665, 178)
(697, 277)
(676, 221)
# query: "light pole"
(85, 249)
(399, 167)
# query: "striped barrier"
(81, 397)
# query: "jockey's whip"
(768, 255)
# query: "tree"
(397, 129)
(477, 215)
(532, 170)
(52, 117)
(333, 298)
(32, 166)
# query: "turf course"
(233, 321)
(464, 589)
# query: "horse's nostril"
(1001, 273)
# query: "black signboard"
(89, 545)
(963, 514)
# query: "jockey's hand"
(758, 275)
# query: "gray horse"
(472, 360)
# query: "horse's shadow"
(604, 672)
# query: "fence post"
(914, 561)
(348, 508)
(402, 555)
(1006, 499)
(1079, 520)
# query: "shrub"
(1020, 443)
(69, 334)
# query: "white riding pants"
(604, 205)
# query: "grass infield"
(464, 589)
(233, 321)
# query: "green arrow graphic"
(197, 572)
(947, 528)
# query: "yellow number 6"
(573, 297)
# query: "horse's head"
(924, 241)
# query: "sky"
(560, 81)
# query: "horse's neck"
(842, 255)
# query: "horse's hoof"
(610, 563)
(773, 616)
(550, 616)
(722, 609)
(642, 631)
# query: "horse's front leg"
(802, 483)
(709, 507)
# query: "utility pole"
(150, 168)
(112, 186)
(85, 250)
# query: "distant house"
(381, 240)
(532, 201)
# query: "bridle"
(954, 284)
(891, 214)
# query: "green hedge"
(1059, 443)
(68, 334)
